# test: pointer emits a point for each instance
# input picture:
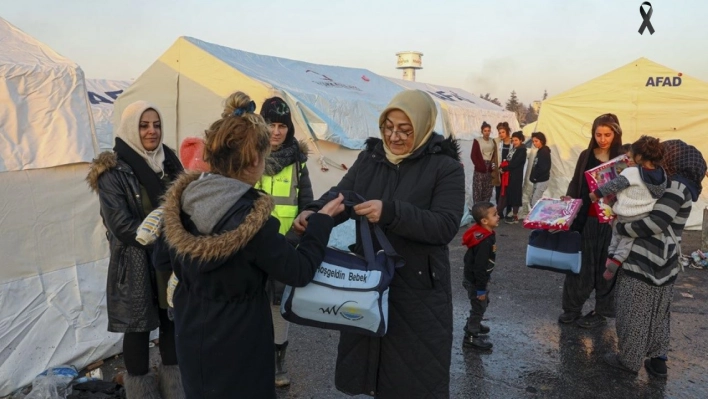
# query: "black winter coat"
(223, 325)
(131, 293)
(541, 170)
(423, 201)
(515, 190)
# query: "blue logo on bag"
(349, 313)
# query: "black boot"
(475, 342)
(591, 320)
(482, 330)
(281, 375)
(656, 366)
(569, 316)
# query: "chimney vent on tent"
(409, 61)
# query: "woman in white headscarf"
(129, 182)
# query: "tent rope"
(324, 161)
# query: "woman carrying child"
(645, 283)
(637, 188)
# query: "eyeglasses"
(388, 132)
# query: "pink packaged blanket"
(552, 214)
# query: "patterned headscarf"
(682, 160)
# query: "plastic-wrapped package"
(552, 214)
(53, 383)
(598, 176)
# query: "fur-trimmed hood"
(437, 144)
(209, 247)
(304, 148)
(105, 161)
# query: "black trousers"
(577, 288)
(477, 309)
(136, 349)
(497, 197)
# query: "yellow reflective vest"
(283, 188)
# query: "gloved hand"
(149, 229)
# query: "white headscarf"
(129, 132)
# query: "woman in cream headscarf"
(415, 186)
(129, 182)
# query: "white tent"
(648, 98)
(334, 108)
(101, 94)
(54, 250)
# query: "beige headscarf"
(420, 108)
(129, 131)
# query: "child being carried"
(637, 188)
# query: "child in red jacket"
(479, 263)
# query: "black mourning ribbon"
(646, 16)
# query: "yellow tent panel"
(648, 98)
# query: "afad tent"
(648, 98)
(54, 250)
(102, 93)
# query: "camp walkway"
(533, 356)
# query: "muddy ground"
(533, 356)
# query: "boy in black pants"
(479, 263)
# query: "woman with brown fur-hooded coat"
(129, 182)
(415, 187)
(224, 244)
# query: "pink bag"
(600, 175)
(553, 214)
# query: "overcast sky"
(480, 46)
